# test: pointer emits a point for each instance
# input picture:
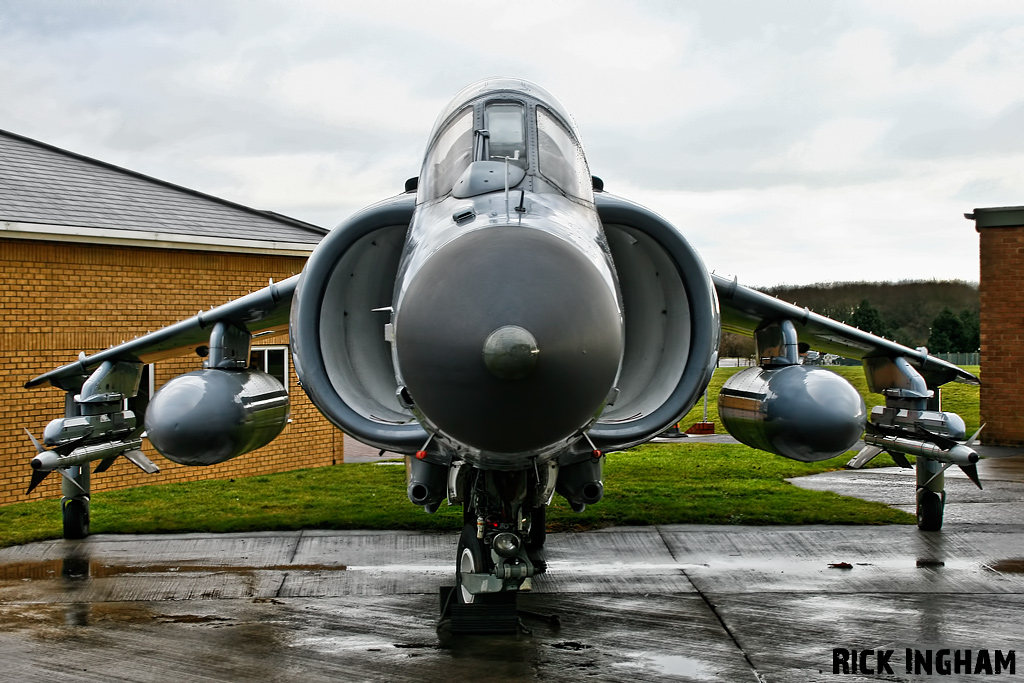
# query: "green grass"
(652, 484)
(718, 484)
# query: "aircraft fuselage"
(507, 322)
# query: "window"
(147, 387)
(272, 360)
(448, 158)
(561, 158)
(506, 128)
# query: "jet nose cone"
(509, 338)
(510, 352)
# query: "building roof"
(46, 185)
(997, 217)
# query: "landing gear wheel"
(469, 560)
(76, 519)
(929, 511)
(538, 530)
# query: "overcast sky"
(791, 142)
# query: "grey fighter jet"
(503, 323)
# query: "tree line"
(939, 314)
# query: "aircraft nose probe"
(510, 352)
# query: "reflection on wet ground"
(1014, 565)
(675, 665)
(79, 568)
(671, 603)
(698, 603)
(1001, 501)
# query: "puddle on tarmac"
(340, 644)
(99, 570)
(772, 566)
(49, 616)
(42, 618)
(190, 619)
(672, 665)
(930, 562)
(393, 568)
(20, 571)
(1014, 565)
(83, 569)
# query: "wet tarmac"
(999, 502)
(669, 603)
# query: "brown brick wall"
(1001, 291)
(62, 298)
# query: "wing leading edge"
(263, 312)
(744, 310)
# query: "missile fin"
(970, 441)
(943, 442)
(37, 479)
(64, 473)
(900, 459)
(104, 465)
(35, 442)
(972, 473)
(863, 457)
(139, 458)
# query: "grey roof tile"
(40, 183)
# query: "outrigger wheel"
(76, 519)
(929, 510)
(538, 527)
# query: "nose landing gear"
(498, 555)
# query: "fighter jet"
(503, 323)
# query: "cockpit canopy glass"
(505, 134)
(505, 123)
(449, 158)
(561, 158)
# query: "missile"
(47, 461)
(958, 454)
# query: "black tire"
(76, 519)
(929, 511)
(538, 528)
(469, 558)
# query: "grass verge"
(651, 484)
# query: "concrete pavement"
(701, 603)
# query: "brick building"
(93, 254)
(1002, 322)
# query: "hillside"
(908, 307)
(905, 310)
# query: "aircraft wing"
(743, 310)
(262, 313)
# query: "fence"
(829, 359)
(960, 358)
(736, 362)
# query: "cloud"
(842, 144)
(322, 188)
(792, 128)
